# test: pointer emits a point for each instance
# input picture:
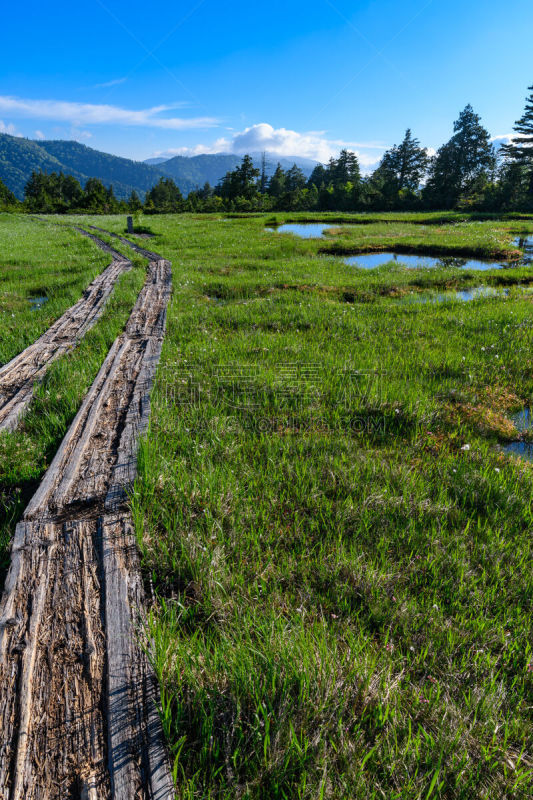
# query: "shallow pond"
(523, 422)
(306, 230)
(374, 260)
(525, 244)
(522, 449)
(37, 302)
(463, 294)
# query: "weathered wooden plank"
(136, 748)
(18, 377)
(78, 700)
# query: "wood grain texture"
(78, 699)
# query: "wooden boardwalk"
(78, 701)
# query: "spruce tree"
(276, 185)
(402, 169)
(318, 176)
(520, 148)
(294, 179)
(164, 198)
(35, 194)
(95, 195)
(410, 162)
(345, 169)
(111, 204)
(240, 182)
(71, 192)
(461, 164)
(7, 198)
(134, 202)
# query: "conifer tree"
(71, 192)
(164, 198)
(318, 176)
(240, 182)
(95, 195)
(294, 179)
(405, 164)
(7, 198)
(462, 163)
(345, 169)
(134, 202)
(520, 148)
(276, 185)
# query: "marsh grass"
(337, 550)
(26, 453)
(39, 259)
(339, 610)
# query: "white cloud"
(506, 137)
(108, 84)
(284, 142)
(39, 135)
(90, 114)
(8, 128)
(78, 135)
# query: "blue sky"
(298, 77)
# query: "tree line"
(467, 172)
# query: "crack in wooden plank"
(78, 700)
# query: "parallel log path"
(78, 713)
(18, 377)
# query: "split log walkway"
(78, 701)
(18, 377)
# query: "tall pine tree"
(276, 185)
(344, 169)
(240, 182)
(164, 198)
(463, 164)
(520, 148)
(134, 202)
(402, 170)
(7, 198)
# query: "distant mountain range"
(19, 157)
(199, 169)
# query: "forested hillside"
(20, 157)
(123, 174)
(467, 172)
(202, 169)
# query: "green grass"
(26, 453)
(340, 562)
(40, 259)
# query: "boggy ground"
(338, 549)
(44, 263)
(19, 377)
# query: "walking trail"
(18, 377)
(78, 701)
